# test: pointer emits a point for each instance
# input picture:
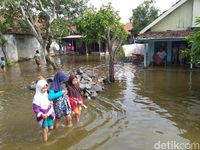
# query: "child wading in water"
(3, 64)
(43, 108)
(60, 99)
(37, 58)
(75, 97)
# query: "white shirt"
(161, 54)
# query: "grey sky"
(125, 6)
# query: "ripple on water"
(108, 122)
(133, 117)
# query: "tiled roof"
(165, 34)
(128, 26)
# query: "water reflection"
(176, 93)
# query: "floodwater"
(144, 108)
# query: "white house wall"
(179, 19)
(26, 46)
(11, 48)
(19, 47)
(196, 11)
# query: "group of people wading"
(61, 98)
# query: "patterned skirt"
(62, 107)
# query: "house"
(20, 43)
(75, 44)
(167, 33)
(129, 27)
(72, 44)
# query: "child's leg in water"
(56, 123)
(45, 134)
(78, 113)
(69, 120)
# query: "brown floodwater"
(143, 107)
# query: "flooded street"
(141, 109)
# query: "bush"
(9, 63)
(193, 53)
(121, 53)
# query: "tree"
(193, 52)
(41, 15)
(2, 44)
(104, 25)
(143, 15)
(88, 27)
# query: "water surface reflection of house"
(165, 36)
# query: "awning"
(163, 36)
(72, 37)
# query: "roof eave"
(159, 39)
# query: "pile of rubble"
(90, 83)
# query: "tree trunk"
(111, 67)
(43, 39)
(44, 54)
(107, 47)
(51, 62)
(3, 42)
(4, 53)
(48, 58)
(99, 47)
(86, 48)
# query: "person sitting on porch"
(175, 54)
(70, 47)
(159, 57)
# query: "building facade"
(165, 36)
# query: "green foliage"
(104, 25)
(94, 25)
(67, 12)
(2, 40)
(10, 18)
(143, 15)
(88, 26)
(121, 53)
(60, 27)
(9, 63)
(193, 53)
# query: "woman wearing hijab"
(60, 99)
(43, 108)
(75, 97)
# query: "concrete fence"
(20, 47)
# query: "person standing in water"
(60, 99)
(75, 97)
(3, 64)
(43, 109)
(37, 58)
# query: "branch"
(114, 37)
(33, 5)
(118, 46)
(29, 13)
(51, 18)
(108, 38)
(31, 26)
(41, 6)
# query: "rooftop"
(165, 35)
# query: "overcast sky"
(125, 6)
